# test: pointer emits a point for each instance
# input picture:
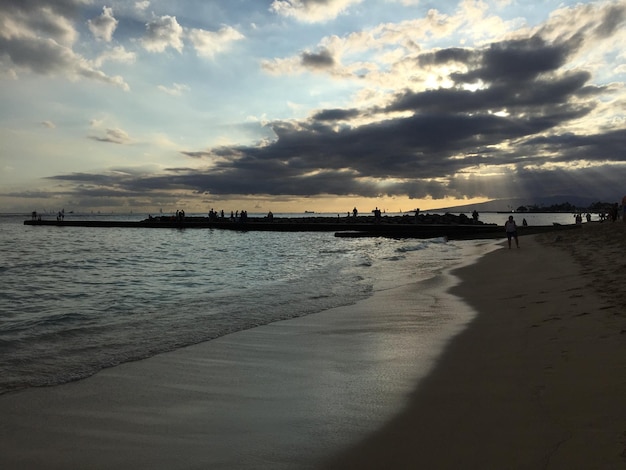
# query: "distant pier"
(450, 227)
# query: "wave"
(129, 294)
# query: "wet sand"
(538, 380)
(281, 396)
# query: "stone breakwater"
(423, 226)
(447, 219)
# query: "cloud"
(176, 89)
(311, 11)
(411, 146)
(114, 136)
(384, 54)
(161, 33)
(102, 27)
(377, 54)
(116, 54)
(38, 36)
(335, 115)
(142, 6)
(39, 18)
(320, 60)
(517, 60)
(198, 154)
(522, 113)
(209, 43)
(165, 32)
(46, 57)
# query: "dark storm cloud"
(517, 61)
(89, 178)
(115, 177)
(320, 60)
(425, 143)
(200, 154)
(336, 114)
(445, 56)
(603, 183)
(511, 96)
(607, 147)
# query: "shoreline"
(280, 396)
(537, 380)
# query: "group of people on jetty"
(378, 216)
(34, 215)
(242, 216)
(214, 216)
(614, 212)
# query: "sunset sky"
(292, 105)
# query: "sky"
(322, 105)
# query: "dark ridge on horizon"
(502, 205)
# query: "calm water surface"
(75, 300)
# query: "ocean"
(75, 300)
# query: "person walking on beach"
(511, 231)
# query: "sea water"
(75, 300)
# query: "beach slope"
(538, 380)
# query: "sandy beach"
(537, 380)
(285, 395)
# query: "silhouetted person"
(376, 214)
(511, 231)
